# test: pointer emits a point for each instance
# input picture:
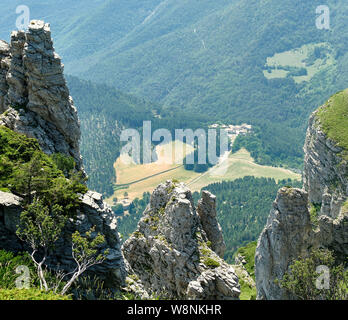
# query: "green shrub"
(8, 264)
(248, 252)
(345, 206)
(25, 169)
(118, 209)
(314, 213)
(301, 280)
(210, 262)
(247, 292)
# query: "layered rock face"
(171, 252)
(4, 64)
(34, 98)
(289, 232)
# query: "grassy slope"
(241, 164)
(334, 120)
(248, 292)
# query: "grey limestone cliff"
(289, 232)
(325, 173)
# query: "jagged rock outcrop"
(10, 209)
(93, 212)
(35, 101)
(289, 232)
(34, 98)
(170, 251)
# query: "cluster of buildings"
(242, 129)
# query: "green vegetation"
(314, 211)
(30, 294)
(301, 63)
(118, 209)
(334, 120)
(51, 189)
(248, 289)
(302, 280)
(269, 144)
(40, 227)
(206, 255)
(211, 263)
(9, 263)
(247, 292)
(25, 170)
(248, 252)
(345, 206)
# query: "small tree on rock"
(41, 227)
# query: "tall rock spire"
(34, 92)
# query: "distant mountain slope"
(210, 55)
(206, 56)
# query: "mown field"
(234, 166)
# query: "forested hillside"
(211, 57)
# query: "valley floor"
(137, 179)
